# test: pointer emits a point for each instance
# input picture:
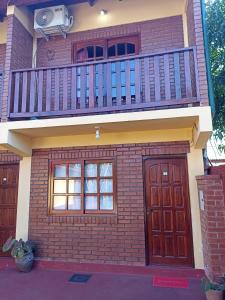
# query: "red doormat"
(172, 282)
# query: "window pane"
(106, 186)
(91, 170)
(75, 170)
(74, 203)
(75, 186)
(114, 79)
(122, 65)
(121, 49)
(60, 171)
(59, 186)
(106, 169)
(123, 78)
(99, 51)
(91, 202)
(59, 202)
(106, 202)
(90, 186)
(90, 51)
(130, 48)
(112, 51)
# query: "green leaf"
(8, 244)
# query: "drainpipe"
(207, 57)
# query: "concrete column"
(195, 168)
(23, 204)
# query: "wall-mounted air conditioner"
(52, 20)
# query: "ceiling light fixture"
(103, 12)
(97, 133)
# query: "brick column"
(18, 55)
(195, 36)
(213, 224)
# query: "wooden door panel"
(178, 196)
(7, 195)
(7, 217)
(155, 200)
(155, 220)
(169, 246)
(166, 197)
(180, 221)
(8, 202)
(168, 221)
(168, 211)
(156, 245)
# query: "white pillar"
(23, 203)
(195, 168)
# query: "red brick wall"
(2, 56)
(191, 23)
(156, 35)
(194, 20)
(22, 46)
(117, 239)
(18, 55)
(219, 170)
(213, 225)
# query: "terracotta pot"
(25, 263)
(214, 295)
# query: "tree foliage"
(216, 38)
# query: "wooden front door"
(169, 232)
(8, 202)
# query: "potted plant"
(213, 291)
(23, 252)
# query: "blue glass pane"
(113, 67)
(123, 78)
(132, 90)
(113, 79)
(122, 66)
(113, 92)
(78, 82)
(123, 91)
(132, 77)
(96, 79)
(132, 64)
(78, 70)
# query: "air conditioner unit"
(52, 20)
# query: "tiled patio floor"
(44, 284)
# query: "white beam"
(15, 142)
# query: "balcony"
(159, 80)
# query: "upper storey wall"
(156, 35)
(122, 12)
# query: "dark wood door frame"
(172, 156)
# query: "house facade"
(102, 130)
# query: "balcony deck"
(157, 80)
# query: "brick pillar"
(195, 35)
(213, 224)
(202, 77)
(18, 55)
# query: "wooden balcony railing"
(131, 83)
